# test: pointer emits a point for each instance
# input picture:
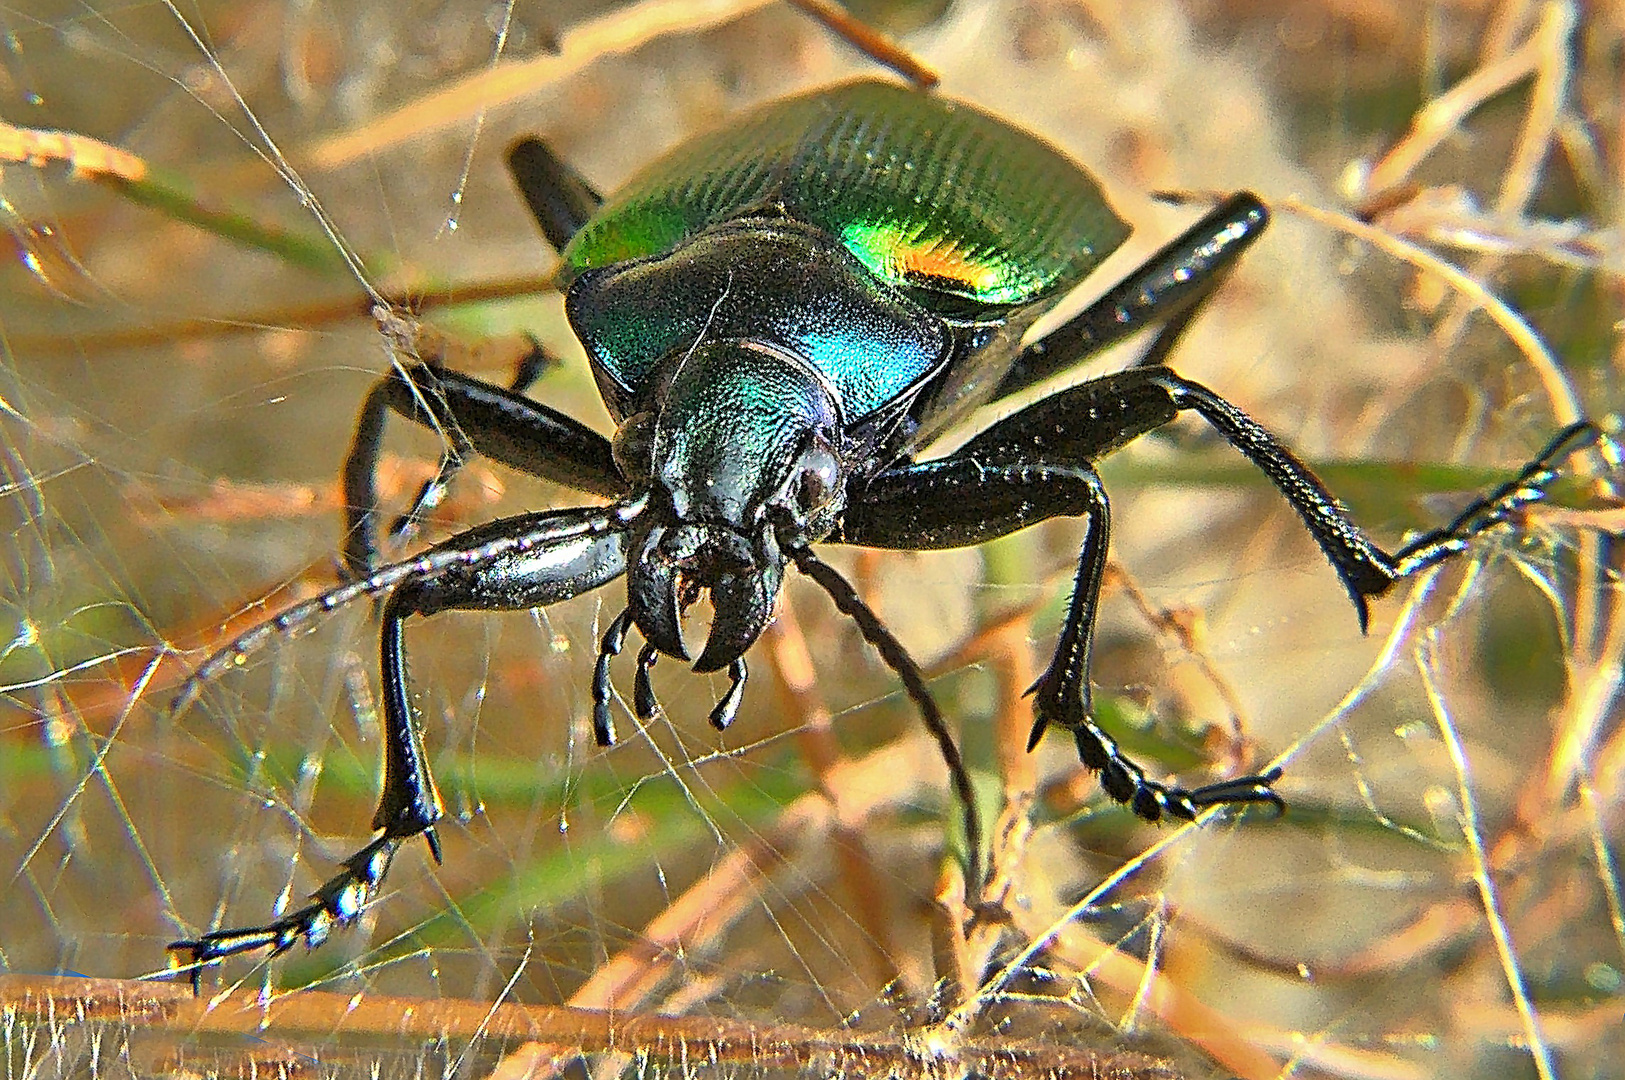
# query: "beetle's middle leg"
(559, 199)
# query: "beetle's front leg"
(476, 417)
(552, 569)
(980, 494)
(458, 447)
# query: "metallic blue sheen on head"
(731, 428)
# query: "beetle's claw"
(1060, 697)
(1040, 725)
(1060, 700)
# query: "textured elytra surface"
(925, 192)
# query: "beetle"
(779, 315)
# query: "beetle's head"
(742, 460)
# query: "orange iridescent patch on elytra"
(935, 262)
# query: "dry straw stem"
(614, 33)
(89, 158)
(163, 1014)
(869, 41)
(124, 172)
(1472, 833)
(1545, 58)
(618, 31)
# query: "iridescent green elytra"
(927, 193)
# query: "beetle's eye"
(633, 445)
(820, 474)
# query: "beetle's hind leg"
(1030, 467)
(559, 199)
(1167, 291)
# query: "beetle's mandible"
(779, 315)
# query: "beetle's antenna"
(850, 604)
(548, 528)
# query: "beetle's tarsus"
(1065, 703)
(339, 901)
(1152, 801)
(1372, 572)
(1499, 506)
(1239, 790)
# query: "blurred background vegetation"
(1441, 899)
